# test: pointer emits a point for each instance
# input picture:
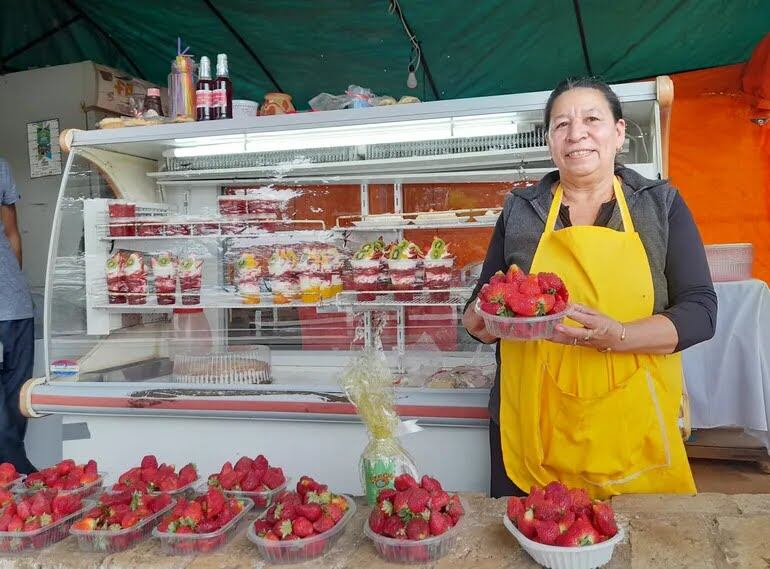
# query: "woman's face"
(583, 136)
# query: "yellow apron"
(606, 422)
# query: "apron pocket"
(607, 439)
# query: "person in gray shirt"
(17, 330)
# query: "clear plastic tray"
(92, 489)
(521, 327)
(730, 261)
(14, 542)
(556, 557)
(248, 367)
(192, 543)
(300, 550)
(10, 485)
(423, 551)
(112, 541)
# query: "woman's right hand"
(475, 326)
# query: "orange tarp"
(720, 160)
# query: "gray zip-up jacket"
(681, 280)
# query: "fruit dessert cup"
(284, 281)
(438, 264)
(150, 227)
(248, 277)
(122, 214)
(116, 279)
(403, 277)
(164, 271)
(232, 205)
(177, 226)
(190, 276)
(136, 278)
(366, 278)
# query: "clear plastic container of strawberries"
(563, 528)
(250, 478)
(153, 478)
(415, 522)
(518, 306)
(202, 524)
(301, 525)
(34, 521)
(120, 520)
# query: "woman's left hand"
(598, 330)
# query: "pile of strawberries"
(557, 515)
(415, 511)
(516, 293)
(205, 514)
(8, 474)
(65, 476)
(33, 513)
(119, 511)
(151, 477)
(249, 476)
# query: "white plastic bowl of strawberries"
(414, 523)
(518, 306)
(563, 528)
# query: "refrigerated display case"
(201, 272)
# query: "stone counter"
(666, 532)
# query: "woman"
(597, 405)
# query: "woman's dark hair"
(584, 83)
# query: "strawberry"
(169, 483)
(604, 518)
(271, 536)
(438, 523)
(546, 531)
(261, 463)
(334, 512)
(340, 502)
(394, 528)
(262, 526)
(228, 479)
(546, 302)
(529, 286)
(514, 508)
(555, 488)
(438, 500)
(545, 510)
(430, 484)
(514, 274)
(192, 514)
(91, 467)
(322, 524)
(302, 527)
(252, 481)
(497, 278)
(491, 308)
(566, 521)
(273, 478)
(187, 475)
(149, 461)
(226, 467)
(417, 529)
(15, 524)
(310, 511)
(8, 472)
(559, 306)
(288, 512)
(40, 504)
(526, 523)
(455, 508)
(580, 501)
(244, 464)
(377, 520)
(129, 520)
(305, 485)
(23, 508)
(550, 283)
(31, 524)
(404, 482)
(386, 494)
(496, 292)
(579, 534)
(159, 502)
(65, 467)
(417, 500)
(208, 526)
(215, 503)
(283, 528)
(401, 503)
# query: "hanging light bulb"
(411, 80)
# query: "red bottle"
(204, 91)
(222, 105)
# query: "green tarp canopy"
(470, 48)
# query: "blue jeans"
(18, 340)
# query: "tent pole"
(584, 45)
(90, 20)
(243, 43)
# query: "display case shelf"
(349, 301)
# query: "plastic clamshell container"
(301, 550)
(112, 541)
(193, 543)
(423, 551)
(86, 491)
(262, 499)
(555, 557)
(521, 327)
(12, 483)
(14, 542)
(730, 261)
